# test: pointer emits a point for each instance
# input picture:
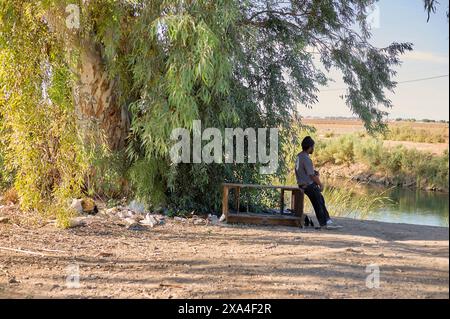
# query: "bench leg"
(237, 199)
(282, 202)
(225, 201)
(297, 203)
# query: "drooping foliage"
(163, 64)
(181, 70)
(39, 135)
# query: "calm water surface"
(409, 206)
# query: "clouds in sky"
(423, 56)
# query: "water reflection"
(409, 206)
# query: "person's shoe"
(332, 226)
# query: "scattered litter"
(130, 220)
(112, 211)
(122, 214)
(77, 206)
(133, 214)
(138, 217)
(150, 220)
(198, 221)
(77, 222)
(180, 219)
(84, 206)
(213, 219)
(136, 207)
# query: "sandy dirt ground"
(182, 260)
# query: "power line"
(407, 81)
(425, 79)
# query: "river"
(408, 206)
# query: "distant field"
(345, 126)
(328, 128)
(434, 148)
(337, 127)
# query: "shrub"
(39, 137)
(107, 177)
(6, 177)
(408, 133)
(336, 151)
(398, 162)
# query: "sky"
(404, 21)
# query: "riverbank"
(183, 260)
(362, 173)
(413, 155)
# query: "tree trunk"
(100, 116)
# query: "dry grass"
(433, 148)
(345, 126)
(10, 197)
(330, 128)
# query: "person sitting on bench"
(308, 179)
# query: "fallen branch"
(170, 285)
(24, 251)
(52, 250)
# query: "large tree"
(134, 70)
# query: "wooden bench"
(297, 200)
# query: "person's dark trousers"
(315, 196)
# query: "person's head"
(308, 145)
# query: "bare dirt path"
(180, 260)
